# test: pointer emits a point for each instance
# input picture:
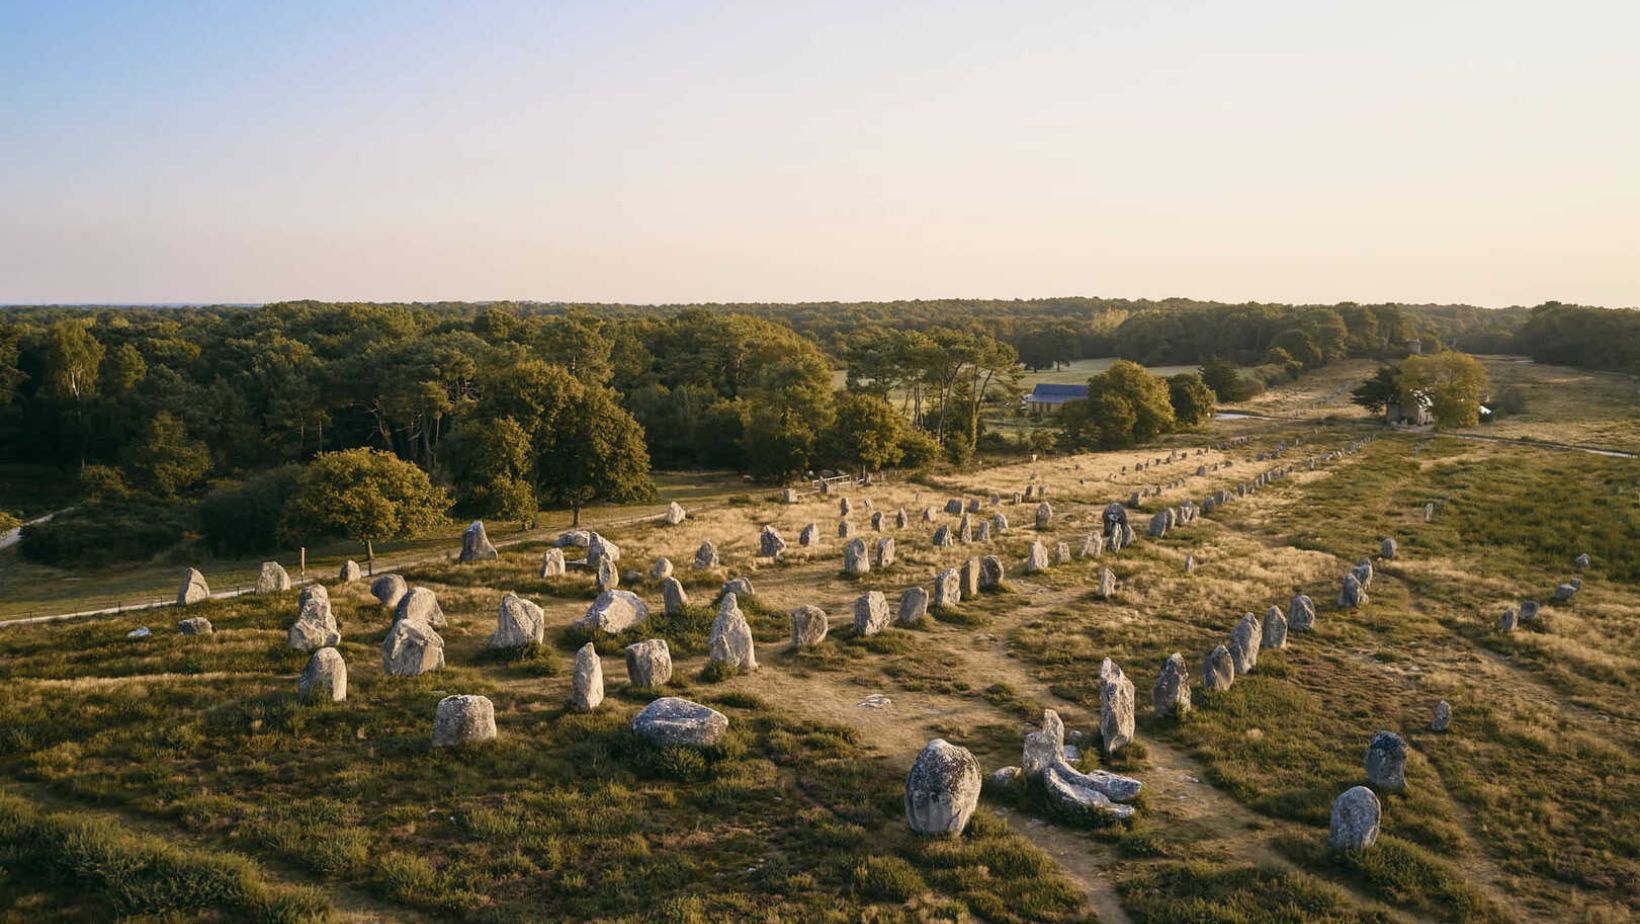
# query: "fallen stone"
(739, 586)
(195, 625)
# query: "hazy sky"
(1485, 152)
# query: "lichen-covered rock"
(1245, 638)
(913, 606)
(885, 552)
(1172, 692)
(674, 514)
(1355, 817)
(519, 622)
(420, 605)
(552, 563)
(739, 586)
(273, 578)
(615, 611)
(463, 720)
(1115, 707)
(855, 560)
(315, 627)
(1275, 629)
(730, 642)
(1351, 594)
(194, 589)
(475, 544)
(599, 548)
(809, 626)
(324, 680)
(1044, 515)
(1386, 761)
(587, 685)
(770, 544)
(195, 625)
(649, 663)
(412, 647)
(1218, 670)
(1387, 548)
(947, 588)
(1036, 560)
(1301, 613)
(1107, 584)
(674, 722)
(706, 557)
(350, 571)
(674, 598)
(1442, 716)
(990, 573)
(942, 789)
(870, 613)
(389, 589)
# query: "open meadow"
(179, 776)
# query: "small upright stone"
(730, 642)
(1115, 707)
(324, 680)
(706, 557)
(1582, 561)
(475, 544)
(1386, 761)
(999, 523)
(1387, 548)
(900, 519)
(194, 589)
(942, 536)
(661, 571)
(1363, 572)
(968, 578)
(1107, 584)
(649, 663)
(1036, 561)
(789, 496)
(870, 613)
(463, 720)
(607, 576)
(519, 623)
(674, 597)
(1159, 523)
(195, 625)
(1061, 553)
(1351, 595)
(1275, 629)
(913, 606)
(885, 552)
(770, 544)
(1172, 692)
(1093, 546)
(844, 508)
(855, 561)
(1244, 644)
(389, 589)
(877, 521)
(808, 626)
(1508, 621)
(845, 529)
(350, 571)
(1044, 515)
(1442, 717)
(420, 605)
(273, 578)
(942, 789)
(552, 562)
(1218, 670)
(588, 684)
(1189, 564)
(1301, 613)
(1355, 817)
(990, 573)
(674, 514)
(947, 588)
(412, 648)
(1528, 610)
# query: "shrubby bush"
(106, 532)
(242, 518)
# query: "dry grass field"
(177, 778)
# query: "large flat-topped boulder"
(675, 722)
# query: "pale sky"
(1429, 151)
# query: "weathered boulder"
(968, 578)
(1386, 761)
(419, 605)
(311, 593)
(1301, 613)
(1563, 593)
(809, 626)
(1442, 716)
(475, 544)
(649, 663)
(1171, 694)
(870, 613)
(990, 573)
(855, 560)
(1159, 522)
(552, 563)
(587, 685)
(661, 570)
(947, 588)
(809, 535)
(389, 589)
(578, 538)
(1508, 621)
(674, 598)
(599, 548)
(1351, 594)
(706, 556)
(350, 571)
(606, 577)
(953, 506)
(315, 627)
(674, 722)
(1218, 670)
(885, 552)
(195, 625)
(1107, 584)
(942, 789)
(1386, 549)
(1582, 561)
(913, 606)
(1355, 817)
(1245, 638)
(614, 611)
(463, 720)
(1528, 610)
(770, 544)
(412, 647)
(1275, 629)
(999, 523)
(730, 642)
(1044, 515)
(942, 536)
(194, 589)
(273, 578)
(739, 586)
(519, 622)
(674, 514)
(1115, 707)
(1036, 560)
(324, 680)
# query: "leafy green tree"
(1192, 400)
(168, 462)
(867, 433)
(1225, 379)
(1454, 382)
(596, 451)
(243, 518)
(72, 358)
(123, 368)
(1146, 394)
(1378, 392)
(489, 461)
(364, 495)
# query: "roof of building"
(1044, 393)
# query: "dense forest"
(509, 406)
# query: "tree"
(72, 358)
(1145, 394)
(1192, 400)
(1378, 392)
(168, 462)
(596, 451)
(489, 463)
(1224, 378)
(867, 433)
(364, 495)
(1453, 382)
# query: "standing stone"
(870, 613)
(968, 579)
(1429, 512)
(649, 663)
(552, 563)
(1219, 670)
(928, 515)
(1189, 564)
(1244, 644)
(273, 578)
(844, 529)
(324, 680)
(674, 722)
(730, 642)
(808, 626)
(1036, 561)
(674, 514)
(420, 605)
(1386, 549)
(789, 496)
(1351, 595)
(706, 557)
(350, 571)
(942, 536)
(315, 626)
(311, 593)
(1115, 517)
(947, 588)
(588, 683)
(809, 535)
(1044, 747)
(463, 720)
(900, 519)
(1386, 761)
(982, 533)
(1061, 553)
(1275, 629)
(1363, 572)
(615, 611)
(1508, 621)
(661, 571)
(1158, 524)
(965, 530)
(608, 578)
(194, 589)
(885, 552)
(913, 606)
(1563, 593)
(1301, 613)
(953, 506)
(1172, 692)
(599, 548)
(844, 508)
(999, 523)
(412, 647)
(1442, 717)
(942, 789)
(855, 561)
(195, 625)
(877, 521)
(1355, 817)
(1115, 707)
(518, 623)
(1116, 540)
(990, 573)
(475, 544)
(389, 589)
(1582, 561)
(770, 544)
(1044, 515)
(1528, 610)
(673, 596)
(1093, 546)
(1107, 584)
